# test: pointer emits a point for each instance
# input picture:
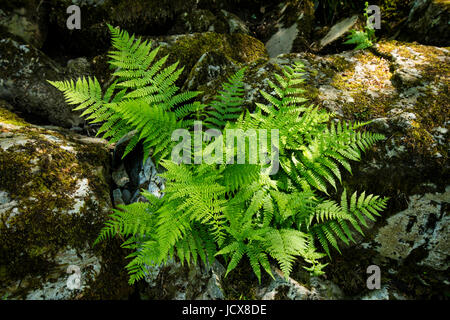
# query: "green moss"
(432, 106)
(42, 178)
(187, 49)
(9, 117)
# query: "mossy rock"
(54, 199)
(188, 49)
(427, 23)
(403, 88)
(24, 21)
(24, 71)
(8, 117)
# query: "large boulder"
(54, 199)
(428, 23)
(190, 49)
(24, 71)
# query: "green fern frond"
(227, 106)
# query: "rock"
(338, 31)
(24, 72)
(428, 23)
(126, 196)
(380, 294)
(120, 176)
(282, 41)
(146, 17)
(54, 199)
(141, 16)
(292, 27)
(56, 285)
(176, 282)
(424, 224)
(79, 67)
(117, 197)
(199, 21)
(24, 20)
(404, 88)
(235, 24)
(282, 289)
(189, 48)
(210, 70)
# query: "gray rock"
(24, 72)
(197, 282)
(235, 24)
(386, 292)
(428, 23)
(126, 196)
(282, 41)
(58, 285)
(117, 197)
(54, 198)
(423, 224)
(120, 176)
(292, 27)
(283, 289)
(338, 31)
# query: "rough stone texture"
(176, 282)
(24, 72)
(198, 21)
(25, 23)
(282, 289)
(338, 31)
(203, 20)
(291, 24)
(188, 49)
(282, 41)
(54, 198)
(425, 223)
(403, 87)
(131, 175)
(428, 23)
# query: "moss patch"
(61, 197)
(187, 49)
(9, 117)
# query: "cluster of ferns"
(235, 211)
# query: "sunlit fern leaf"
(284, 245)
(227, 105)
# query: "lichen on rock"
(54, 199)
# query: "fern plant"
(363, 39)
(220, 209)
(142, 97)
(235, 210)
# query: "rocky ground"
(58, 183)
